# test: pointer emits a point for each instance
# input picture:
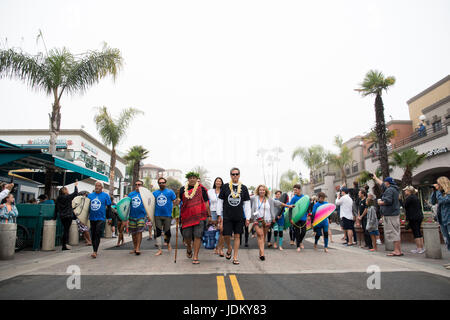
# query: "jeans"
(367, 238)
(96, 233)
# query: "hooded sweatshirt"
(391, 201)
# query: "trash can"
(432, 240)
(49, 235)
(108, 230)
(8, 233)
(74, 236)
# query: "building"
(432, 108)
(150, 173)
(75, 145)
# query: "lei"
(186, 193)
(237, 194)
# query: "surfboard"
(80, 207)
(123, 208)
(148, 199)
(301, 207)
(308, 225)
(323, 212)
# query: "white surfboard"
(80, 207)
(148, 199)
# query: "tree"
(205, 180)
(57, 72)
(341, 159)
(374, 84)
(288, 180)
(173, 184)
(112, 132)
(135, 155)
(407, 160)
(313, 157)
(373, 138)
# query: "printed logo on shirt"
(96, 204)
(234, 202)
(161, 200)
(136, 202)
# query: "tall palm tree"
(313, 157)
(374, 84)
(341, 159)
(407, 160)
(57, 72)
(204, 178)
(112, 132)
(134, 156)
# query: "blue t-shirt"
(137, 209)
(294, 199)
(97, 207)
(164, 202)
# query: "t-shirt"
(233, 208)
(213, 197)
(294, 199)
(137, 209)
(362, 206)
(97, 206)
(164, 202)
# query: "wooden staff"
(176, 242)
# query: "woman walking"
(213, 195)
(414, 216)
(63, 208)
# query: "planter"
(8, 233)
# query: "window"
(354, 167)
(437, 126)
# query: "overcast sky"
(218, 80)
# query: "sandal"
(235, 261)
(394, 255)
(229, 255)
(195, 261)
(189, 254)
(262, 258)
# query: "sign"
(436, 152)
(46, 141)
(89, 147)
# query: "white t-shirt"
(213, 197)
(263, 210)
(346, 207)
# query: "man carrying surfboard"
(233, 207)
(136, 220)
(323, 226)
(300, 225)
(194, 212)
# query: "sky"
(219, 80)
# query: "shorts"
(392, 228)
(415, 228)
(233, 226)
(374, 233)
(136, 225)
(348, 224)
(194, 231)
(163, 223)
(214, 215)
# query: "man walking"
(165, 199)
(233, 207)
(346, 214)
(390, 212)
(136, 221)
(99, 211)
(193, 214)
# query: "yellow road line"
(221, 289)
(236, 289)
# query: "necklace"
(237, 194)
(186, 193)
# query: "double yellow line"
(222, 290)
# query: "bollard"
(8, 232)
(432, 240)
(49, 235)
(74, 236)
(108, 230)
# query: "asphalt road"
(342, 286)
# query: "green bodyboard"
(301, 207)
(123, 208)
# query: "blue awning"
(61, 163)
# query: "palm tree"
(313, 157)
(112, 132)
(288, 180)
(373, 138)
(173, 184)
(57, 72)
(135, 155)
(205, 180)
(407, 160)
(341, 159)
(374, 83)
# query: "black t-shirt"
(204, 193)
(233, 208)
(413, 209)
(362, 206)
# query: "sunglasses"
(138, 184)
(235, 174)
(161, 183)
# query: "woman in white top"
(264, 210)
(213, 195)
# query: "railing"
(418, 135)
